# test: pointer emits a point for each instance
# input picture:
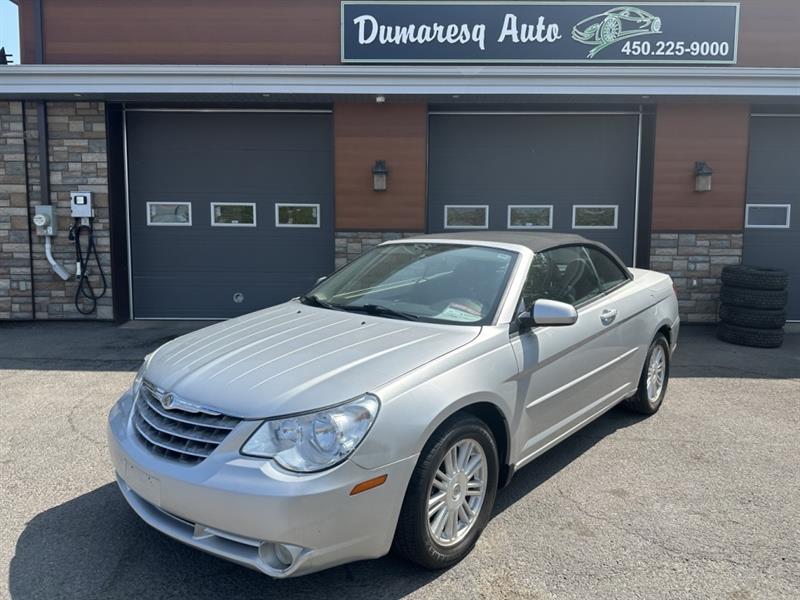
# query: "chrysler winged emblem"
(171, 401)
(168, 400)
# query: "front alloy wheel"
(450, 495)
(457, 492)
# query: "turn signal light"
(368, 485)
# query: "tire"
(655, 26)
(610, 29)
(755, 278)
(413, 537)
(641, 402)
(752, 317)
(750, 336)
(763, 299)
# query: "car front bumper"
(239, 508)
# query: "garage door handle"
(607, 316)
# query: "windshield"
(439, 283)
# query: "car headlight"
(314, 441)
(136, 384)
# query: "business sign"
(539, 32)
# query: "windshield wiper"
(380, 310)
(313, 300)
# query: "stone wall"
(695, 262)
(77, 154)
(15, 273)
(352, 244)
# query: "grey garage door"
(229, 212)
(772, 221)
(566, 173)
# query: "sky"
(9, 29)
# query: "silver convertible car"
(386, 407)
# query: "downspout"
(38, 16)
(41, 111)
(44, 157)
(28, 205)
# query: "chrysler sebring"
(384, 408)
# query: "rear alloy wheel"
(654, 378)
(450, 495)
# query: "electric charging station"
(46, 225)
(80, 206)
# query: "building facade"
(235, 152)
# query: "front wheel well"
(494, 419)
(666, 331)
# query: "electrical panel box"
(45, 220)
(80, 204)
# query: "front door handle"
(608, 315)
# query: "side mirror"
(321, 279)
(549, 312)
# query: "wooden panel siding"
(769, 33)
(396, 133)
(284, 32)
(189, 31)
(685, 133)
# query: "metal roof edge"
(38, 80)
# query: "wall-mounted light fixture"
(702, 176)
(380, 174)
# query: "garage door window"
(768, 216)
(530, 216)
(169, 213)
(594, 216)
(297, 215)
(233, 214)
(466, 217)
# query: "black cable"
(85, 290)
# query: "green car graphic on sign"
(615, 25)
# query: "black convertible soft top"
(536, 241)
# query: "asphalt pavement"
(700, 501)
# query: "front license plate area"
(144, 484)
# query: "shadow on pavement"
(94, 546)
(700, 354)
(85, 346)
(103, 346)
(551, 462)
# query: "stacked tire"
(753, 306)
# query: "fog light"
(279, 558)
(284, 555)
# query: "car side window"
(540, 280)
(564, 274)
(608, 271)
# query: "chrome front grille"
(179, 435)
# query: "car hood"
(293, 358)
